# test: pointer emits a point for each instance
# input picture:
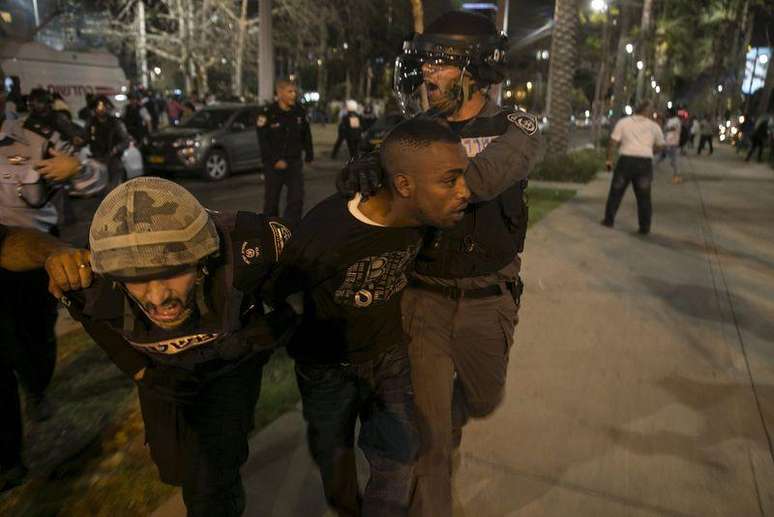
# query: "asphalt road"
(244, 191)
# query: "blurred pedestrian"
(637, 137)
(368, 117)
(108, 139)
(44, 120)
(284, 136)
(695, 130)
(706, 132)
(137, 119)
(174, 111)
(672, 129)
(350, 129)
(86, 112)
(759, 138)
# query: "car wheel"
(216, 166)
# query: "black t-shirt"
(352, 274)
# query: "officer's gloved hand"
(362, 174)
(172, 384)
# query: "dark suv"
(215, 141)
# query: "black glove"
(361, 174)
(172, 384)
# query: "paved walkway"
(642, 381)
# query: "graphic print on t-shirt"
(375, 279)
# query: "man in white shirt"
(672, 137)
(637, 137)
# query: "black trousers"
(201, 445)
(638, 172)
(705, 139)
(379, 393)
(27, 351)
(757, 144)
(293, 179)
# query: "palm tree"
(560, 75)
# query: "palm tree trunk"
(560, 75)
(619, 85)
(645, 44)
(602, 83)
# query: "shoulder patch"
(281, 234)
(260, 121)
(524, 121)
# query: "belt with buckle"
(455, 293)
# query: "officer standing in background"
(175, 306)
(108, 139)
(284, 135)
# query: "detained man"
(350, 259)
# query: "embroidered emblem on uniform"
(525, 122)
(474, 145)
(250, 252)
(363, 298)
(281, 235)
(260, 121)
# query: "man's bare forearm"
(24, 249)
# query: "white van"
(71, 74)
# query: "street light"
(157, 70)
(640, 65)
(629, 48)
(653, 84)
(628, 110)
(763, 58)
(529, 86)
(720, 88)
(599, 6)
(669, 105)
(658, 89)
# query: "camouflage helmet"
(150, 227)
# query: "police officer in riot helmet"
(466, 286)
(175, 306)
(107, 138)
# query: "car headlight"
(186, 142)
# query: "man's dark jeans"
(293, 179)
(201, 446)
(28, 353)
(638, 172)
(379, 393)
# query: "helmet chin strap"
(458, 95)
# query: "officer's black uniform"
(201, 381)
(284, 135)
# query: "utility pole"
(142, 52)
(265, 53)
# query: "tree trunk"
(142, 52)
(190, 34)
(560, 75)
(239, 55)
(418, 14)
(619, 85)
(322, 66)
(644, 47)
(602, 83)
(266, 53)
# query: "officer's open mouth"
(167, 312)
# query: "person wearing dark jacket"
(284, 136)
(107, 139)
(759, 138)
(350, 130)
(175, 305)
(43, 118)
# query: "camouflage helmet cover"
(148, 227)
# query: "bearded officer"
(175, 306)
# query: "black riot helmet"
(461, 39)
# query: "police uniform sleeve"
(262, 123)
(507, 160)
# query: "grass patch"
(578, 166)
(90, 458)
(543, 200)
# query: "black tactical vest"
(491, 233)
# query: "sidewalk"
(642, 379)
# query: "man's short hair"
(282, 83)
(414, 135)
(646, 105)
